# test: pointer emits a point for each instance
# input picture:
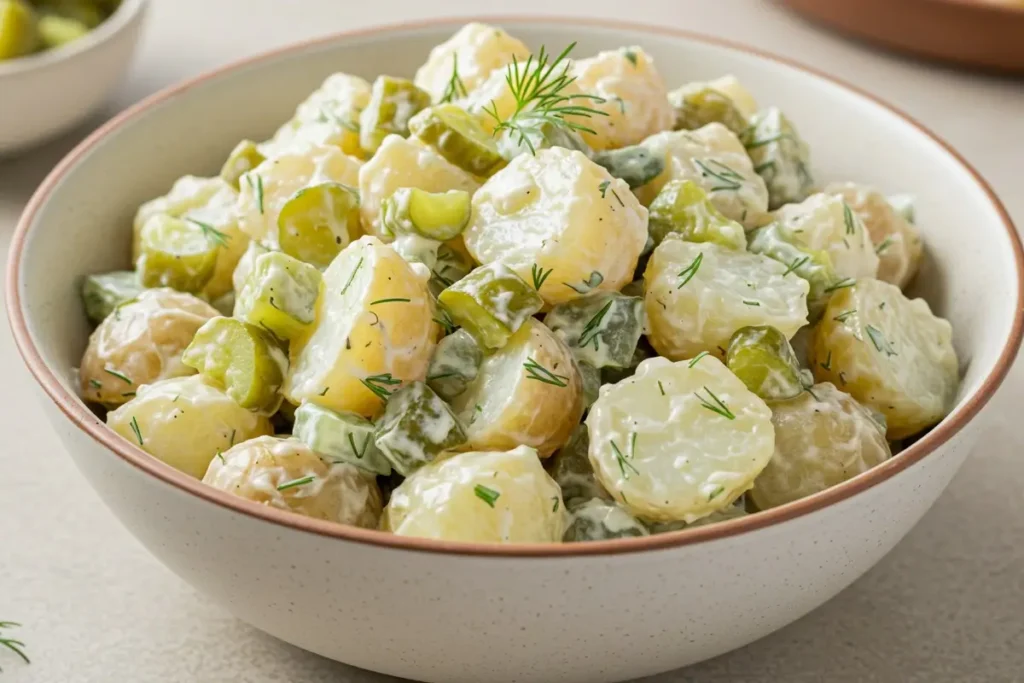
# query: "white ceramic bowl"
(452, 612)
(48, 93)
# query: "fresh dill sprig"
(120, 376)
(134, 424)
(487, 495)
(379, 384)
(848, 219)
(535, 370)
(696, 359)
(539, 275)
(715, 405)
(539, 86)
(445, 320)
(455, 88)
(842, 284)
(352, 276)
(796, 264)
(295, 482)
(257, 187)
(593, 327)
(358, 452)
(661, 388)
(878, 339)
(211, 233)
(603, 188)
(748, 302)
(883, 245)
(844, 316)
(390, 301)
(554, 508)
(624, 460)
(827, 365)
(727, 177)
(95, 384)
(15, 646)
(592, 282)
(719, 490)
(690, 270)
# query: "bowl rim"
(125, 15)
(88, 422)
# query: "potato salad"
(521, 296)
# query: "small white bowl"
(45, 94)
(461, 612)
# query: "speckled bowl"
(454, 612)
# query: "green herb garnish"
(796, 264)
(455, 87)
(540, 373)
(728, 178)
(879, 340)
(696, 359)
(95, 384)
(389, 301)
(115, 373)
(539, 275)
(883, 245)
(589, 284)
(661, 388)
(593, 327)
(690, 270)
(487, 495)
(715, 405)
(624, 461)
(842, 317)
(134, 424)
(719, 490)
(827, 365)
(295, 482)
(352, 276)
(211, 233)
(848, 219)
(842, 284)
(378, 385)
(11, 644)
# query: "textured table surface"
(946, 605)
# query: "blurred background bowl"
(45, 94)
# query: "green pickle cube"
(243, 158)
(438, 216)
(319, 221)
(279, 295)
(241, 358)
(17, 29)
(636, 165)
(450, 266)
(101, 294)
(571, 469)
(513, 142)
(601, 520)
(591, 378)
(612, 375)
(454, 364)
(682, 207)
(774, 241)
(491, 303)
(416, 427)
(340, 437)
(780, 157)
(765, 362)
(602, 328)
(459, 137)
(393, 101)
(697, 108)
(177, 253)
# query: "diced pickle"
(140, 343)
(279, 295)
(698, 294)
(764, 361)
(101, 294)
(602, 328)
(187, 194)
(55, 30)
(528, 392)
(416, 427)
(243, 158)
(242, 359)
(450, 266)
(416, 249)
(814, 266)
(17, 29)
(454, 365)
(599, 520)
(438, 216)
(590, 377)
(512, 143)
(459, 137)
(490, 497)
(678, 441)
(176, 253)
(682, 207)
(285, 474)
(340, 437)
(696, 108)
(636, 165)
(822, 438)
(185, 422)
(780, 156)
(491, 303)
(570, 467)
(318, 221)
(393, 101)
(86, 12)
(610, 375)
(890, 353)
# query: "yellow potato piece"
(715, 158)
(479, 50)
(329, 117)
(822, 438)
(267, 188)
(141, 343)
(483, 497)
(824, 222)
(284, 473)
(220, 214)
(185, 423)
(888, 352)
(529, 393)
(677, 443)
(636, 100)
(374, 330)
(401, 162)
(897, 242)
(556, 219)
(698, 294)
(729, 86)
(188, 192)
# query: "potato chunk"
(141, 342)
(636, 100)
(822, 438)
(489, 497)
(698, 294)
(727, 85)
(528, 392)
(374, 330)
(826, 223)
(888, 352)
(185, 423)
(329, 117)
(285, 474)
(561, 222)
(677, 443)
(477, 49)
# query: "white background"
(946, 605)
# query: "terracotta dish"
(980, 33)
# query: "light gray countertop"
(946, 605)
